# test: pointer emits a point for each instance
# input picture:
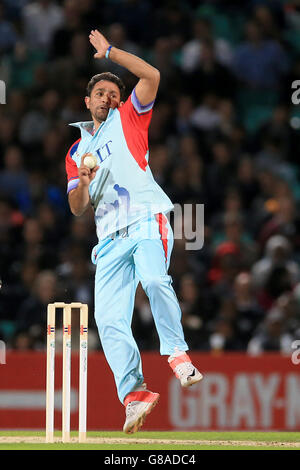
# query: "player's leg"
(115, 287)
(114, 302)
(152, 258)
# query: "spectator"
(271, 337)
(15, 290)
(225, 266)
(8, 35)
(32, 315)
(184, 111)
(73, 110)
(160, 162)
(248, 186)
(249, 313)
(210, 76)
(195, 174)
(37, 122)
(220, 172)
(277, 252)
(160, 123)
(267, 21)
(137, 18)
(284, 220)
(259, 63)
(17, 104)
(22, 65)
(8, 130)
(192, 51)
(276, 272)
(11, 221)
(224, 338)
(289, 307)
(34, 247)
(188, 146)
(74, 65)
(13, 178)
(50, 223)
(179, 187)
(192, 311)
(228, 122)
(62, 35)
(41, 19)
(279, 128)
(77, 281)
(234, 232)
(206, 117)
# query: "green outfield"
(18, 440)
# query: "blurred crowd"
(224, 133)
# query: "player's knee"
(155, 283)
(109, 326)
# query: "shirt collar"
(88, 126)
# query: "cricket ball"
(90, 161)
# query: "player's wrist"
(108, 50)
(84, 183)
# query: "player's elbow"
(156, 76)
(76, 207)
(76, 212)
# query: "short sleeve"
(71, 167)
(135, 119)
(140, 115)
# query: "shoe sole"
(193, 381)
(134, 427)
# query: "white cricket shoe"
(183, 368)
(139, 404)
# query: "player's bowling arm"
(149, 76)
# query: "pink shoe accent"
(179, 360)
(145, 396)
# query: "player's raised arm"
(149, 76)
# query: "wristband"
(107, 52)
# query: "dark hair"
(110, 77)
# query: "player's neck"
(97, 124)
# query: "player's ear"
(121, 104)
(87, 102)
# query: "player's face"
(105, 95)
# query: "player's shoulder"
(73, 148)
(134, 106)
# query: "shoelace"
(184, 368)
(130, 409)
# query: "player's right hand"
(99, 42)
(86, 175)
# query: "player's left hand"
(99, 42)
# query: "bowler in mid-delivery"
(135, 239)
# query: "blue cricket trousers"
(140, 255)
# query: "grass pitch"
(18, 440)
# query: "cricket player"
(135, 238)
